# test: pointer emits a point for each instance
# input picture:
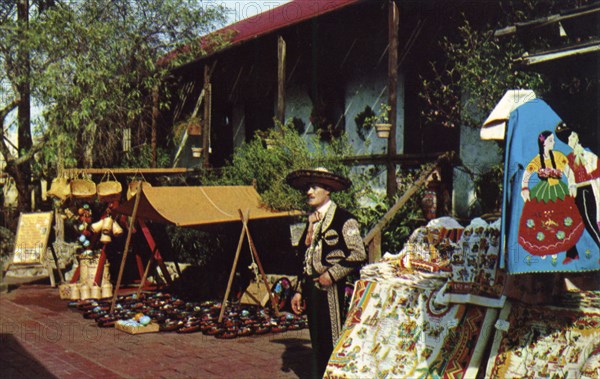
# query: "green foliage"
(193, 246)
(94, 68)
(288, 150)
(141, 156)
(376, 204)
(476, 72)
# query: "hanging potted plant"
(383, 125)
(191, 125)
(196, 151)
(194, 126)
(381, 121)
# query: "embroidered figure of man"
(585, 182)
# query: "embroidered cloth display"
(466, 258)
(543, 225)
(475, 276)
(396, 330)
(545, 342)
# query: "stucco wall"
(478, 157)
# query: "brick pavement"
(41, 337)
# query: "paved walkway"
(41, 337)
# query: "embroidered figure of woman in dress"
(550, 222)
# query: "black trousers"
(586, 203)
(319, 323)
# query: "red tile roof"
(269, 21)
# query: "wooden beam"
(207, 117)
(233, 268)
(402, 200)
(71, 172)
(136, 204)
(374, 248)
(393, 24)
(281, 60)
(382, 159)
(154, 123)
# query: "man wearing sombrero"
(334, 249)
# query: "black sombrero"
(302, 179)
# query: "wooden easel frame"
(154, 255)
(40, 246)
(246, 233)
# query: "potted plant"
(196, 151)
(192, 125)
(381, 121)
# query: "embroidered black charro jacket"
(336, 247)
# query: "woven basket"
(87, 271)
(60, 188)
(109, 190)
(134, 187)
(83, 189)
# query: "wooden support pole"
(402, 200)
(393, 24)
(57, 263)
(281, 58)
(260, 268)
(155, 253)
(125, 171)
(100, 268)
(232, 274)
(145, 276)
(207, 117)
(154, 123)
(374, 248)
(138, 196)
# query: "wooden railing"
(373, 238)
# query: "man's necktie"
(312, 220)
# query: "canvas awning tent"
(198, 206)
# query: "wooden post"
(260, 268)
(155, 115)
(402, 200)
(393, 23)
(207, 117)
(374, 247)
(155, 253)
(138, 196)
(145, 276)
(281, 57)
(232, 274)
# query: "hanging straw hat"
(302, 179)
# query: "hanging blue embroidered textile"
(550, 202)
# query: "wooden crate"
(257, 293)
(150, 328)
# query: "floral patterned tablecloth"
(395, 329)
(546, 342)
